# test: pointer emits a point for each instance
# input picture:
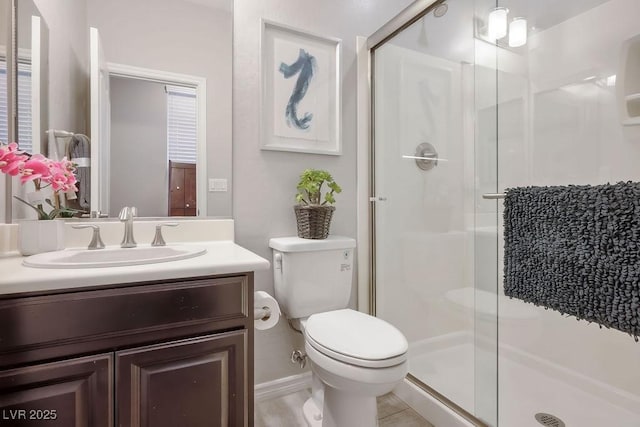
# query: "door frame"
(365, 101)
(366, 191)
(200, 85)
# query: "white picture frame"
(301, 98)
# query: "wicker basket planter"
(313, 221)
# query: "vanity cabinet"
(172, 353)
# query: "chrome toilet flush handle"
(96, 240)
(158, 240)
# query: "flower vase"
(37, 236)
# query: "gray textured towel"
(576, 250)
(79, 153)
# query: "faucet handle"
(96, 240)
(125, 213)
(158, 240)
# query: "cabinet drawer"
(112, 318)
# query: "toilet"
(354, 357)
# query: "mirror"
(176, 46)
(32, 90)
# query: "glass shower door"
(435, 237)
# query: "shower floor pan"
(447, 364)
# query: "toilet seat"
(356, 338)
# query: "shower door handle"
(493, 196)
(377, 199)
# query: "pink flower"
(62, 177)
(58, 174)
(37, 167)
(11, 159)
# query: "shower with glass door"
(469, 98)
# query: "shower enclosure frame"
(367, 197)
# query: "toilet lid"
(356, 338)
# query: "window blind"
(4, 120)
(24, 106)
(182, 125)
(25, 119)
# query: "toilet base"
(341, 410)
(312, 414)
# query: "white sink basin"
(112, 257)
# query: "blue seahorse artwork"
(304, 67)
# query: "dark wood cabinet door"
(199, 382)
(190, 192)
(182, 189)
(176, 188)
(70, 393)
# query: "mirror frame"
(12, 101)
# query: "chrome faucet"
(126, 215)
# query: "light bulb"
(497, 23)
(518, 32)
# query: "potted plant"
(42, 235)
(313, 211)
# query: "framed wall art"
(300, 91)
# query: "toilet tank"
(312, 276)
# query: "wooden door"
(199, 382)
(70, 393)
(182, 189)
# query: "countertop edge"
(222, 258)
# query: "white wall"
(68, 63)
(561, 129)
(264, 181)
(139, 131)
(180, 37)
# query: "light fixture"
(497, 23)
(518, 32)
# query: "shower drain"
(549, 420)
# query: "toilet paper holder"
(263, 313)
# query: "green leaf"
(310, 187)
(41, 213)
(329, 198)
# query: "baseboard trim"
(282, 386)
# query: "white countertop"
(222, 257)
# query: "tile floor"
(286, 411)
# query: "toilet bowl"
(354, 357)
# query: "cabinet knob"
(187, 204)
(177, 188)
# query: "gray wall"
(68, 63)
(180, 37)
(265, 181)
(139, 173)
